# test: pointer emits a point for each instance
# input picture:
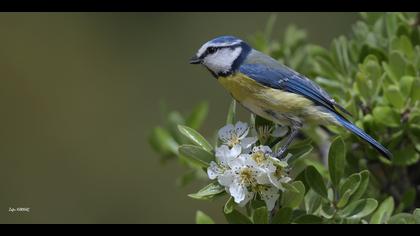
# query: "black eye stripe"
(211, 50)
(215, 49)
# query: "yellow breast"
(245, 89)
(259, 99)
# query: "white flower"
(275, 169)
(245, 179)
(246, 171)
(241, 177)
(236, 135)
(269, 195)
(223, 155)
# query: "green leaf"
(292, 199)
(195, 137)
(231, 113)
(386, 116)
(397, 64)
(359, 208)
(315, 181)
(349, 187)
(201, 218)
(283, 216)
(384, 212)
(402, 218)
(327, 210)
(371, 17)
(364, 182)
(229, 206)
(293, 36)
(208, 192)
(174, 119)
(163, 142)
(403, 44)
(341, 54)
(325, 68)
(415, 90)
(312, 201)
(290, 187)
(198, 115)
(408, 199)
(416, 214)
(406, 84)
(196, 154)
(368, 77)
(235, 217)
(405, 156)
(299, 152)
(391, 24)
(389, 72)
(394, 96)
(308, 219)
(336, 160)
(260, 216)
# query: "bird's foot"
(280, 154)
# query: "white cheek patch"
(222, 60)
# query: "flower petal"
(267, 166)
(238, 191)
(285, 179)
(263, 178)
(241, 129)
(270, 195)
(239, 162)
(263, 149)
(225, 133)
(275, 181)
(224, 154)
(248, 142)
(235, 151)
(248, 196)
(214, 170)
(278, 162)
(226, 179)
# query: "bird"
(274, 91)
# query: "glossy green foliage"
(374, 73)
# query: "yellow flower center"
(246, 176)
(258, 157)
(279, 171)
(259, 188)
(233, 141)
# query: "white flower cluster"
(246, 170)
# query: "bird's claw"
(279, 155)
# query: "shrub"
(329, 175)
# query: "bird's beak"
(195, 60)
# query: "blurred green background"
(79, 94)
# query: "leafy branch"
(329, 176)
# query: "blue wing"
(288, 80)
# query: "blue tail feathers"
(357, 131)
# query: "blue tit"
(273, 91)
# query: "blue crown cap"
(225, 39)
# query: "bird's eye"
(211, 50)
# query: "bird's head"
(222, 55)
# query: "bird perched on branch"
(273, 91)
